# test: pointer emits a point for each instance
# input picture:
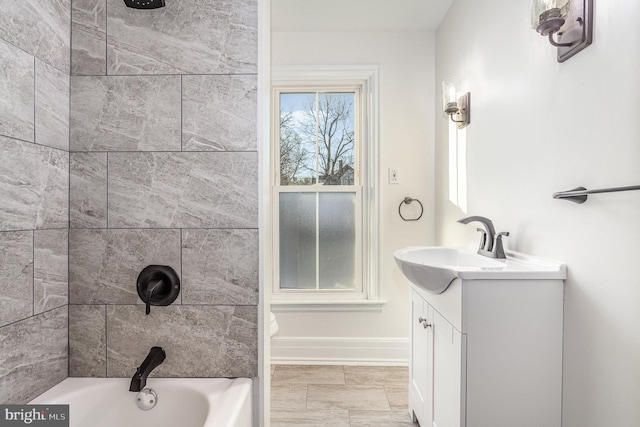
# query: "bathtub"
(184, 402)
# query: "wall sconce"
(571, 20)
(456, 104)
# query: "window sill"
(335, 305)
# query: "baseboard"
(340, 351)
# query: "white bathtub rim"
(233, 395)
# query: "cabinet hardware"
(424, 322)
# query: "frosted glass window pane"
(337, 240)
(297, 240)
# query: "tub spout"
(155, 357)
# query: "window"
(324, 198)
(319, 193)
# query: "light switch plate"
(394, 175)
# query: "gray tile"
(220, 267)
(16, 92)
(125, 113)
(41, 28)
(41, 200)
(377, 375)
(16, 276)
(104, 264)
(200, 341)
(33, 356)
(311, 418)
(288, 397)
(380, 419)
(183, 190)
(237, 353)
(352, 397)
(308, 374)
(87, 341)
(89, 37)
(219, 113)
(185, 37)
(398, 396)
(88, 190)
(52, 106)
(50, 269)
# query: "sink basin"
(434, 268)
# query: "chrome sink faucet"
(490, 241)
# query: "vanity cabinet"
(420, 372)
(436, 367)
(489, 356)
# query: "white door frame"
(262, 409)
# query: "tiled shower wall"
(164, 170)
(34, 195)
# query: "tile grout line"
(344, 373)
(386, 395)
(306, 398)
(70, 40)
(103, 150)
(106, 343)
(106, 39)
(181, 112)
(68, 275)
(33, 273)
(151, 74)
(107, 195)
(35, 97)
(69, 190)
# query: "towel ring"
(407, 201)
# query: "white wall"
(406, 139)
(540, 127)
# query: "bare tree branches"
(320, 143)
(292, 154)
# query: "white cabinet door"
(448, 408)
(421, 366)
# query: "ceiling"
(357, 15)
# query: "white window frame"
(341, 78)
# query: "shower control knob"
(158, 285)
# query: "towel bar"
(579, 194)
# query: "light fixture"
(570, 20)
(456, 102)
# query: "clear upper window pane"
(317, 138)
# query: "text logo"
(34, 415)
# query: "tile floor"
(339, 396)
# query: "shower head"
(144, 4)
